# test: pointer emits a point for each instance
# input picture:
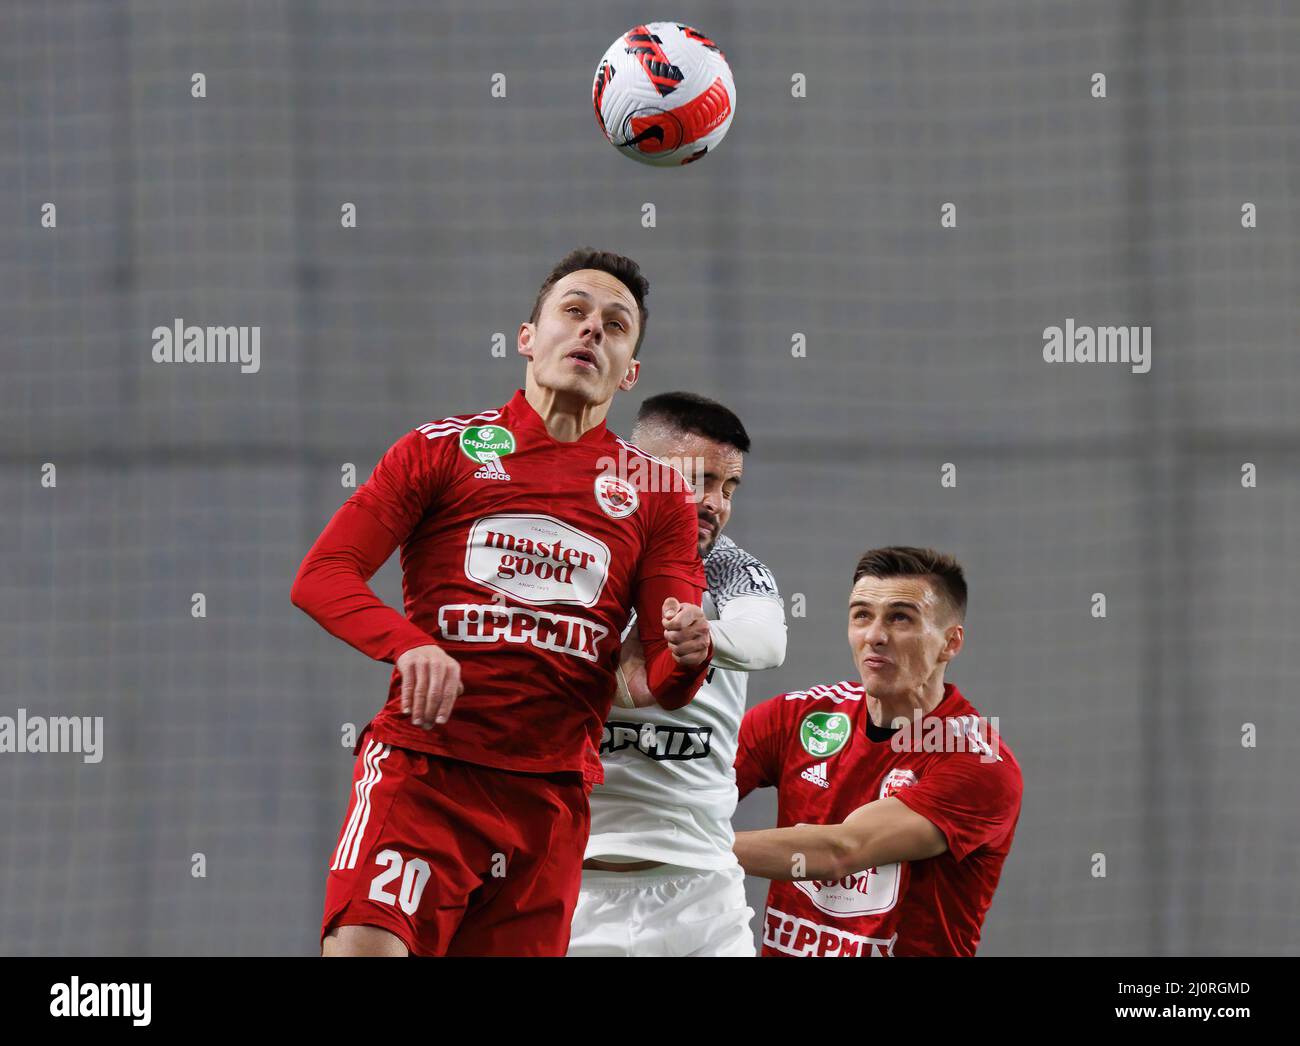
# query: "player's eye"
(617, 324)
(574, 308)
(900, 616)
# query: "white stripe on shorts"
(375, 753)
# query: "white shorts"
(663, 911)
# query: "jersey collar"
(951, 696)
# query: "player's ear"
(629, 379)
(527, 332)
(956, 637)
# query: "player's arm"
(748, 637)
(331, 585)
(882, 832)
(674, 632)
(675, 638)
(758, 760)
(749, 634)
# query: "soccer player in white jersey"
(660, 877)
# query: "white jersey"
(670, 782)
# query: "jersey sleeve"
(732, 573)
(331, 582)
(749, 634)
(405, 484)
(758, 750)
(673, 685)
(670, 566)
(672, 546)
(973, 802)
(331, 587)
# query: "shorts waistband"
(597, 879)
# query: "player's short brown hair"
(906, 561)
(623, 269)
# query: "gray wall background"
(818, 215)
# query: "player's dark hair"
(623, 269)
(906, 561)
(689, 412)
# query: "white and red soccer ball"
(664, 94)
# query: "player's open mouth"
(585, 357)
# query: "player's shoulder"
(655, 480)
(457, 424)
(731, 572)
(845, 691)
(842, 696)
(972, 736)
(644, 467)
(727, 552)
(437, 441)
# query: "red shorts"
(456, 858)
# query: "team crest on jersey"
(616, 497)
(824, 733)
(895, 781)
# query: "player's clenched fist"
(430, 684)
(687, 631)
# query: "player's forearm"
(673, 684)
(331, 593)
(750, 636)
(808, 851)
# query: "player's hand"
(687, 631)
(633, 689)
(430, 684)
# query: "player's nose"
(874, 635)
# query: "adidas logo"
(492, 469)
(817, 775)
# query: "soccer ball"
(664, 94)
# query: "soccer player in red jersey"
(523, 553)
(897, 802)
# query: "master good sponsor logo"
(823, 733)
(869, 892)
(537, 559)
(795, 936)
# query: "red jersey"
(522, 556)
(825, 757)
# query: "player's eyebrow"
(898, 604)
(614, 305)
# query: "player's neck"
(567, 418)
(886, 708)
